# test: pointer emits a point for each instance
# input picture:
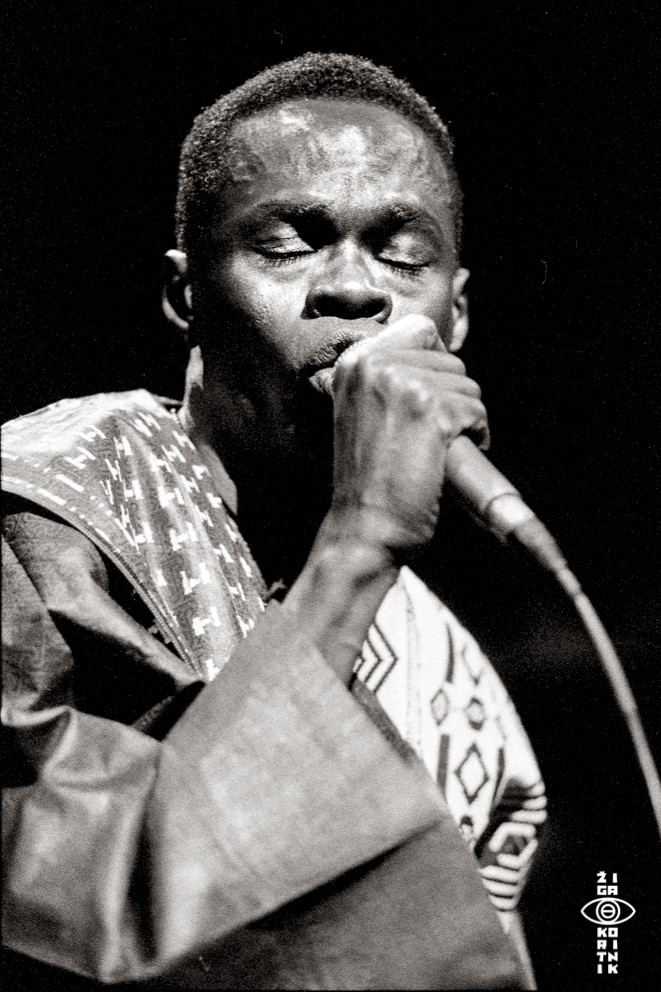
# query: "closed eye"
(407, 257)
(407, 247)
(291, 237)
(403, 269)
(283, 247)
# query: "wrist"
(354, 541)
(338, 593)
(339, 570)
(388, 530)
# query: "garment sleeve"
(125, 855)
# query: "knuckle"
(418, 397)
(480, 409)
(360, 368)
(387, 374)
(455, 365)
(428, 328)
(474, 413)
(418, 323)
(400, 385)
(446, 426)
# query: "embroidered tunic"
(120, 469)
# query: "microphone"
(487, 494)
(492, 499)
(496, 503)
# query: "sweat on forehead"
(204, 164)
(313, 135)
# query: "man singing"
(248, 748)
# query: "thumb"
(413, 332)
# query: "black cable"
(532, 534)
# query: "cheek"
(258, 304)
(431, 299)
(440, 302)
(239, 292)
(240, 289)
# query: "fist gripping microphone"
(483, 490)
(490, 497)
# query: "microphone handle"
(498, 504)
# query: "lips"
(320, 371)
(341, 335)
(322, 379)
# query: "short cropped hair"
(203, 168)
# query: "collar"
(221, 478)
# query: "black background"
(554, 110)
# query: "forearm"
(274, 779)
(398, 403)
(337, 595)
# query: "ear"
(177, 295)
(459, 310)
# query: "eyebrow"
(397, 215)
(284, 210)
(385, 220)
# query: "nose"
(345, 290)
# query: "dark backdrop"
(555, 113)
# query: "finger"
(433, 361)
(435, 383)
(413, 331)
(470, 418)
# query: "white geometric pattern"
(447, 701)
(136, 476)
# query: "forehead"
(356, 141)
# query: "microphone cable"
(508, 517)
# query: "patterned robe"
(121, 471)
